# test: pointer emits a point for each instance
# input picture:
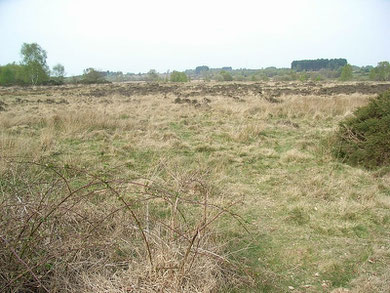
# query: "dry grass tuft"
(295, 155)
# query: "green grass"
(314, 222)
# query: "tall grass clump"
(364, 139)
(65, 229)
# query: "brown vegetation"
(131, 188)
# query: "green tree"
(346, 73)
(58, 73)
(177, 76)
(91, 76)
(200, 69)
(7, 76)
(381, 71)
(34, 60)
(12, 74)
(315, 65)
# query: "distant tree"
(315, 65)
(261, 76)
(334, 64)
(177, 76)
(206, 75)
(34, 60)
(201, 69)
(270, 71)
(153, 75)
(241, 77)
(226, 76)
(58, 73)
(91, 76)
(381, 71)
(346, 73)
(366, 69)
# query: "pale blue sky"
(135, 36)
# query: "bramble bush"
(364, 139)
(64, 228)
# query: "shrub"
(381, 72)
(152, 75)
(6, 76)
(177, 76)
(12, 74)
(92, 76)
(365, 138)
(346, 73)
(226, 76)
(63, 229)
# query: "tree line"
(317, 64)
(33, 70)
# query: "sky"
(136, 36)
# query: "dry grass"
(81, 232)
(316, 224)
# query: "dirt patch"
(288, 123)
(2, 106)
(194, 102)
(236, 91)
(367, 89)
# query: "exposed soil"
(191, 91)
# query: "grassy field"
(188, 188)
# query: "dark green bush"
(13, 74)
(365, 138)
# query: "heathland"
(194, 187)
